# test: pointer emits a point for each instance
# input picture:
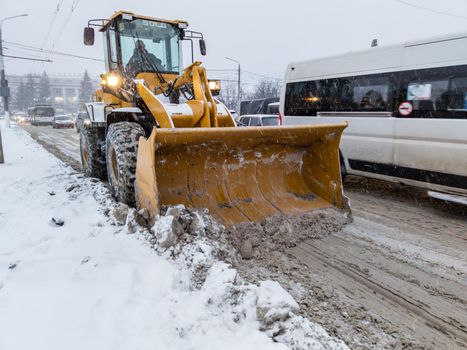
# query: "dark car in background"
(261, 112)
(259, 106)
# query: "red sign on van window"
(405, 108)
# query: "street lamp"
(238, 88)
(4, 90)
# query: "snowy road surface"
(63, 143)
(394, 278)
(72, 278)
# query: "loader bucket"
(241, 174)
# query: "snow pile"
(192, 239)
(208, 252)
(274, 303)
(279, 232)
(71, 277)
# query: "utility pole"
(239, 94)
(2, 158)
(2, 92)
(4, 89)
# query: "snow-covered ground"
(72, 278)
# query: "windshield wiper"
(151, 64)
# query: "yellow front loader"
(158, 134)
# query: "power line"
(65, 54)
(227, 71)
(262, 75)
(12, 55)
(27, 58)
(221, 70)
(246, 71)
(31, 58)
(74, 5)
(52, 22)
(16, 51)
(51, 52)
(41, 54)
(51, 26)
(430, 10)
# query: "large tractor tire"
(91, 141)
(121, 152)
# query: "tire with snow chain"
(91, 141)
(121, 150)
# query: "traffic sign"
(405, 108)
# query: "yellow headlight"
(112, 80)
(214, 85)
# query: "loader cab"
(137, 44)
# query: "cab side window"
(112, 49)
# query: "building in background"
(64, 89)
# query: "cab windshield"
(149, 46)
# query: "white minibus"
(406, 106)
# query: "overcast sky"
(264, 35)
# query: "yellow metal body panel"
(155, 106)
(241, 174)
(152, 81)
(98, 95)
(200, 112)
(114, 101)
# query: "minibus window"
(438, 92)
(456, 97)
(428, 95)
(370, 94)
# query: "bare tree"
(266, 88)
(229, 95)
